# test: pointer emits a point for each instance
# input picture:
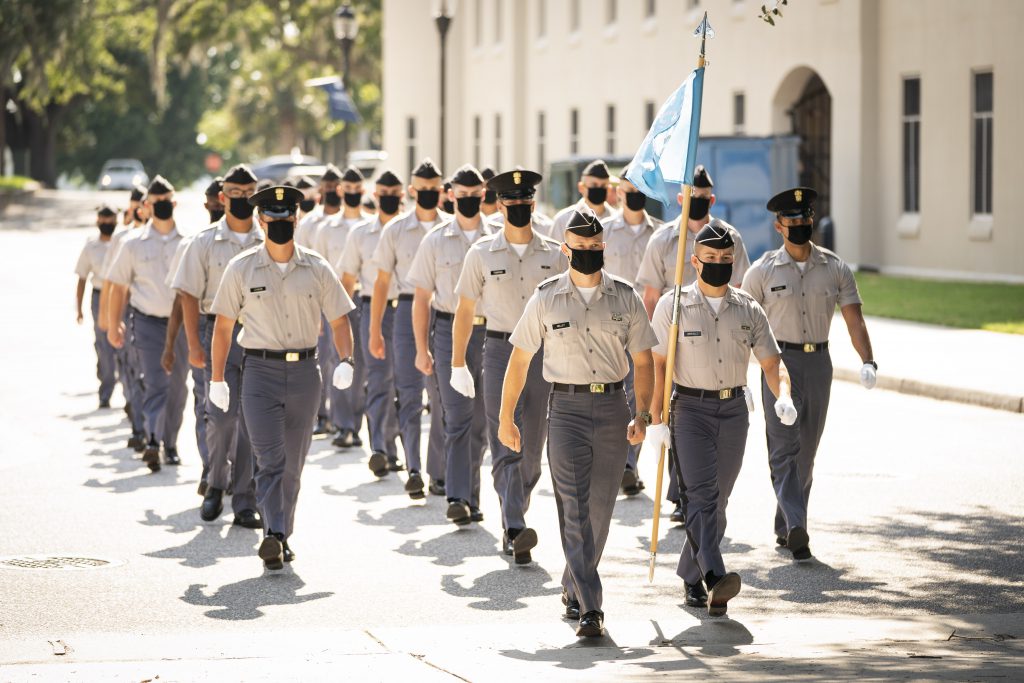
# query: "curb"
(986, 399)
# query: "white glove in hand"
(220, 395)
(462, 381)
(748, 396)
(868, 376)
(786, 411)
(659, 435)
(342, 376)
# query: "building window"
(982, 152)
(649, 114)
(652, 8)
(739, 112)
(497, 143)
(574, 15)
(498, 21)
(540, 142)
(911, 145)
(610, 129)
(478, 23)
(410, 135)
(542, 18)
(574, 131)
(476, 141)
(611, 11)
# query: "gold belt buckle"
(809, 348)
(291, 356)
(597, 388)
(479, 320)
(724, 394)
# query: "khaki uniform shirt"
(713, 349)
(331, 236)
(280, 311)
(658, 268)
(306, 228)
(495, 274)
(115, 244)
(584, 343)
(90, 261)
(207, 255)
(624, 248)
(439, 260)
(357, 257)
(397, 247)
(562, 217)
(799, 304)
(142, 264)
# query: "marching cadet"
(719, 327)
(489, 206)
(230, 461)
(279, 290)
(613, 193)
(358, 271)
(133, 216)
(626, 235)
(435, 272)
(90, 262)
(447, 205)
(140, 269)
(308, 189)
(346, 407)
(213, 205)
(800, 284)
(502, 270)
(658, 268)
(399, 241)
(589, 322)
(593, 187)
(369, 206)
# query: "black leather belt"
(136, 311)
(442, 315)
(806, 348)
(494, 334)
(290, 356)
(405, 297)
(367, 298)
(586, 388)
(719, 394)
(211, 317)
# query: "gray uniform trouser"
(633, 450)
(231, 462)
(408, 383)
(279, 402)
(348, 405)
(131, 376)
(200, 384)
(708, 438)
(381, 416)
(437, 454)
(465, 422)
(106, 365)
(791, 450)
(515, 474)
(327, 359)
(586, 455)
(165, 395)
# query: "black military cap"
(106, 210)
(240, 174)
(714, 235)
(278, 199)
(332, 173)
(515, 184)
(426, 170)
(596, 169)
(701, 178)
(160, 185)
(389, 179)
(288, 182)
(467, 175)
(304, 182)
(795, 202)
(353, 175)
(215, 186)
(264, 184)
(584, 223)
(487, 173)
(138, 192)
(368, 202)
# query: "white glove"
(786, 411)
(868, 376)
(659, 435)
(342, 376)
(220, 395)
(748, 396)
(462, 381)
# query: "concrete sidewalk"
(950, 364)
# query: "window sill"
(909, 226)
(980, 228)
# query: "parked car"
(279, 167)
(122, 174)
(370, 162)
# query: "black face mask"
(490, 197)
(240, 207)
(332, 198)
(586, 261)
(597, 195)
(468, 206)
(106, 229)
(699, 207)
(136, 215)
(163, 209)
(280, 232)
(307, 205)
(800, 234)
(635, 201)
(427, 199)
(353, 199)
(216, 214)
(448, 206)
(519, 215)
(716, 274)
(389, 204)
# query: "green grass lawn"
(14, 182)
(982, 306)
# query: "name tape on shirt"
(778, 288)
(497, 272)
(692, 333)
(560, 326)
(257, 289)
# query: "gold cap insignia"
(798, 195)
(517, 177)
(279, 193)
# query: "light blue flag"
(668, 154)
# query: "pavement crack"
(423, 658)
(377, 640)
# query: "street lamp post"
(346, 28)
(443, 18)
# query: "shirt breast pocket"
(739, 350)
(563, 338)
(693, 348)
(497, 276)
(616, 329)
(779, 292)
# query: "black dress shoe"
(272, 551)
(721, 589)
(213, 504)
(591, 624)
(104, 404)
(523, 542)
(129, 412)
(378, 464)
(343, 439)
(459, 513)
(631, 483)
(287, 553)
(696, 596)
(436, 487)
(414, 486)
(151, 456)
(322, 426)
(506, 544)
(171, 456)
(572, 607)
(356, 441)
(395, 466)
(780, 541)
(137, 442)
(677, 516)
(797, 541)
(250, 519)
(476, 514)
(201, 489)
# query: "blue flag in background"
(668, 154)
(339, 104)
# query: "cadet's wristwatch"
(645, 416)
(872, 364)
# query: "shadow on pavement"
(168, 476)
(635, 511)
(208, 546)
(407, 520)
(179, 522)
(452, 549)
(368, 491)
(502, 590)
(243, 600)
(582, 654)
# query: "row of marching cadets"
(522, 331)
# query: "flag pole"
(673, 333)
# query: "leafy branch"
(768, 16)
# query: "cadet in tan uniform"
(502, 270)
(800, 285)
(489, 206)
(589, 322)
(90, 262)
(279, 291)
(594, 191)
(719, 326)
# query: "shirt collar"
(149, 231)
(564, 284)
(299, 258)
(816, 256)
(224, 231)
